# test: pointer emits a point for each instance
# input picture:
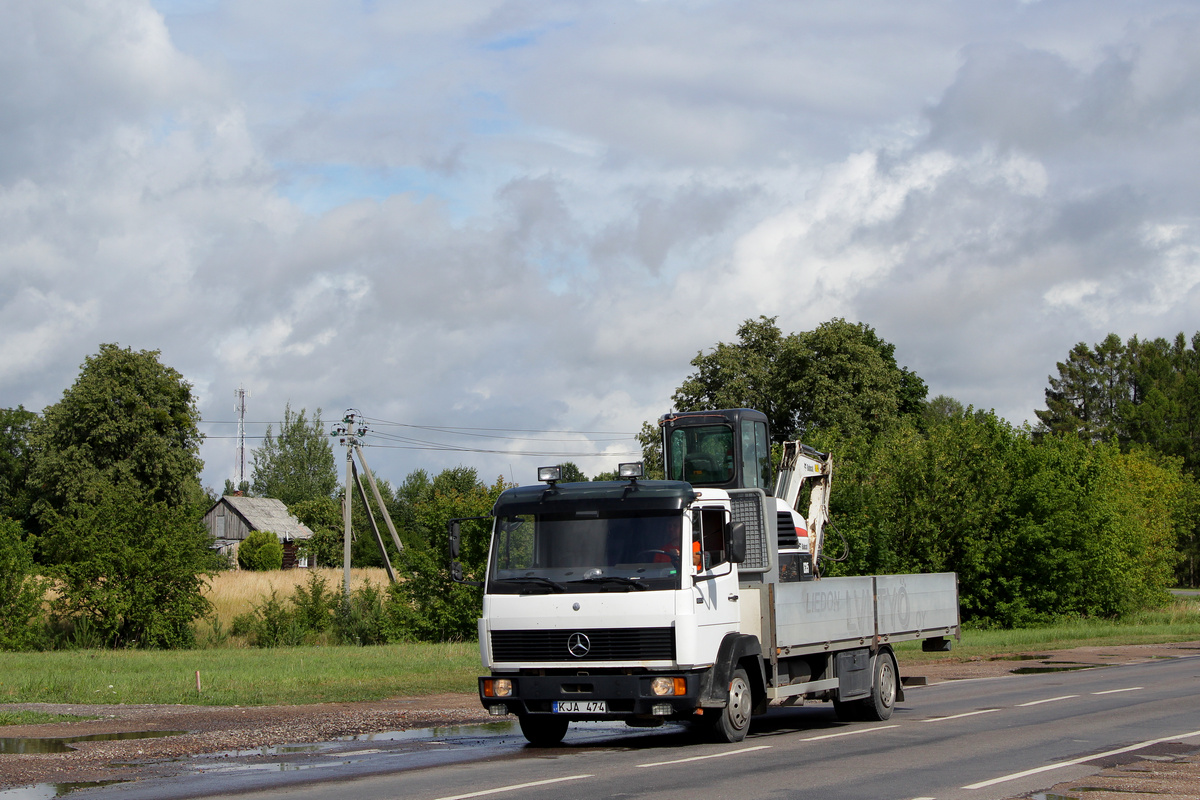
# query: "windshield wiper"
(614, 579)
(534, 579)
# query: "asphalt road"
(979, 739)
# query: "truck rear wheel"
(543, 731)
(734, 720)
(884, 681)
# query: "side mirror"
(455, 538)
(735, 542)
(456, 573)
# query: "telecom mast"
(240, 467)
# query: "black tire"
(734, 720)
(884, 682)
(544, 731)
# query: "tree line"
(101, 502)
(1093, 511)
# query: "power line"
(474, 432)
(542, 454)
(456, 428)
(437, 427)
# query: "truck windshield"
(586, 551)
(702, 454)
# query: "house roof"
(266, 514)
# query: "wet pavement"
(231, 771)
(62, 744)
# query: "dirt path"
(215, 729)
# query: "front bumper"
(626, 696)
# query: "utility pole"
(349, 430)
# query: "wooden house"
(232, 518)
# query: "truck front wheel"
(734, 720)
(543, 731)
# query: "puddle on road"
(418, 734)
(485, 729)
(1060, 667)
(270, 766)
(62, 744)
(44, 791)
(1022, 657)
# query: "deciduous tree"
(15, 426)
(296, 465)
(128, 420)
(115, 473)
(839, 378)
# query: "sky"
(502, 229)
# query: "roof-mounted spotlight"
(550, 475)
(633, 470)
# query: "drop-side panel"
(915, 604)
(825, 611)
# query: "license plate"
(581, 707)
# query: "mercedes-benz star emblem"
(578, 645)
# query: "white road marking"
(848, 733)
(1047, 700)
(515, 787)
(960, 716)
(1080, 760)
(1114, 691)
(702, 758)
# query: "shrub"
(260, 552)
(135, 570)
(360, 619)
(20, 591)
(315, 603)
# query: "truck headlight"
(668, 686)
(497, 687)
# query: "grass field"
(1177, 622)
(237, 591)
(238, 676)
(37, 718)
(251, 676)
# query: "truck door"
(715, 580)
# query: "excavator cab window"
(702, 454)
(756, 456)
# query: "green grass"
(238, 676)
(37, 718)
(293, 675)
(1177, 622)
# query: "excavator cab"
(725, 449)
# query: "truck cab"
(607, 600)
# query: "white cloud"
(508, 215)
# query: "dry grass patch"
(239, 591)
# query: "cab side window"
(709, 525)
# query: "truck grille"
(603, 644)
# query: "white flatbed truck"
(693, 599)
